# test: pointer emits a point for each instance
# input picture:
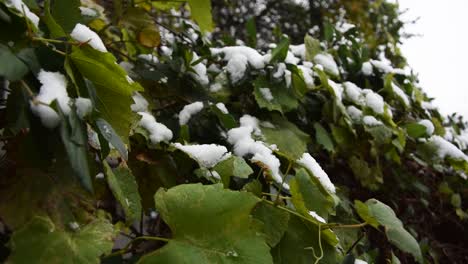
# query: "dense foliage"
(281, 132)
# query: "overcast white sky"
(440, 55)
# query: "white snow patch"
(149, 57)
(140, 105)
(54, 87)
(207, 155)
(429, 126)
(328, 63)
(367, 68)
(401, 94)
(359, 261)
(308, 162)
(298, 50)
(317, 217)
(337, 90)
(374, 101)
(222, 108)
(20, 6)
(188, 111)
(86, 11)
(353, 93)
(84, 106)
(253, 57)
(157, 132)
(447, 149)
(307, 74)
(266, 93)
(83, 34)
(200, 70)
(215, 87)
(371, 121)
(354, 113)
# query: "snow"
(244, 144)
(367, 68)
(253, 57)
(382, 66)
(266, 93)
(353, 93)
(371, 121)
(215, 87)
(287, 78)
(317, 217)
(140, 105)
(200, 70)
(308, 162)
(157, 132)
(344, 27)
(54, 87)
(401, 94)
(291, 59)
(188, 111)
(359, 261)
(298, 50)
(328, 63)
(307, 74)
(20, 6)
(222, 108)
(429, 126)
(354, 113)
(446, 149)
(99, 176)
(148, 57)
(83, 34)
(280, 71)
(374, 101)
(428, 106)
(84, 106)
(337, 90)
(207, 155)
(236, 67)
(86, 11)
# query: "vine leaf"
(283, 99)
(279, 53)
(201, 13)
(113, 89)
(275, 222)
(40, 241)
(209, 225)
(233, 166)
(125, 189)
(290, 140)
(374, 211)
(109, 134)
(323, 137)
(297, 243)
(12, 67)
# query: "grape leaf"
(283, 99)
(201, 13)
(209, 225)
(40, 241)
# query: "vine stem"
(125, 249)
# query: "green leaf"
(66, 13)
(290, 140)
(40, 241)
(323, 138)
(275, 222)
(56, 31)
(112, 87)
(312, 46)
(363, 212)
(125, 189)
(209, 225)
(297, 243)
(201, 13)
(251, 29)
(283, 99)
(279, 53)
(75, 141)
(307, 196)
(109, 134)
(396, 233)
(233, 166)
(12, 68)
(415, 130)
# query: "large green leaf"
(209, 225)
(396, 233)
(109, 134)
(307, 196)
(75, 140)
(11, 67)
(297, 243)
(112, 87)
(40, 241)
(312, 47)
(125, 189)
(233, 166)
(323, 138)
(66, 13)
(201, 13)
(283, 98)
(275, 222)
(290, 140)
(279, 53)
